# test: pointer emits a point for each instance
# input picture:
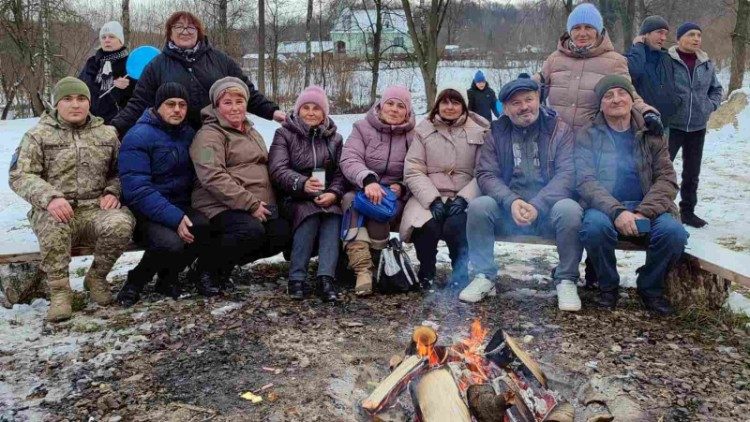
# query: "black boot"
(607, 300)
(692, 220)
(296, 289)
(168, 285)
(206, 285)
(589, 274)
(657, 305)
(130, 292)
(326, 291)
(225, 283)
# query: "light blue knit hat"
(586, 13)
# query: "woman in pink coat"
(373, 160)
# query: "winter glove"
(458, 206)
(438, 210)
(653, 123)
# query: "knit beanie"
(586, 13)
(218, 88)
(397, 92)
(170, 90)
(313, 94)
(113, 28)
(456, 88)
(517, 85)
(653, 23)
(479, 77)
(70, 86)
(613, 81)
(685, 27)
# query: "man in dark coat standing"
(482, 98)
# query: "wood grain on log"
(688, 286)
(437, 398)
(394, 383)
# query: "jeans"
(238, 238)
(486, 220)
(325, 228)
(453, 231)
(666, 242)
(165, 252)
(692, 154)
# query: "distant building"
(352, 33)
(296, 48)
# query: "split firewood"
(394, 384)
(437, 398)
(565, 412)
(486, 405)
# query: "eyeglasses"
(180, 29)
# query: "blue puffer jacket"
(155, 169)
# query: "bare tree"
(222, 24)
(125, 18)
(308, 42)
(262, 46)
(740, 39)
(425, 22)
(627, 18)
(320, 44)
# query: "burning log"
(436, 398)
(486, 405)
(392, 386)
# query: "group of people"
(576, 154)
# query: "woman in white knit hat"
(104, 73)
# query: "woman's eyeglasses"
(181, 29)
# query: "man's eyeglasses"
(181, 29)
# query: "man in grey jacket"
(699, 94)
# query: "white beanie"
(113, 28)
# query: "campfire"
(468, 379)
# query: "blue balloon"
(139, 58)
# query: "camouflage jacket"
(56, 160)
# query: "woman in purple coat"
(303, 162)
(373, 160)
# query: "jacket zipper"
(388, 158)
(690, 76)
(315, 155)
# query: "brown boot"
(98, 288)
(360, 261)
(60, 297)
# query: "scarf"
(104, 77)
(580, 51)
(189, 54)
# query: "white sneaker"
(567, 296)
(478, 289)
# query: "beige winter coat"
(571, 79)
(440, 164)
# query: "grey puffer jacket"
(699, 95)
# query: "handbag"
(395, 273)
(383, 212)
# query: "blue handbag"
(383, 212)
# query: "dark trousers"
(453, 231)
(238, 238)
(692, 154)
(165, 252)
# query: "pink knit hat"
(397, 92)
(313, 94)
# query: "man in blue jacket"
(650, 67)
(699, 95)
(157, 180)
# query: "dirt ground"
(189, 360)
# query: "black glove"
(438, 210)
(653, 123)
(457, 206)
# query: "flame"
(475, 361)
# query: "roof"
(357, 20)
(299, 47)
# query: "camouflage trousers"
(108, 231)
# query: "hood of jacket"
(602, 45)
(296, 125)
(700, 54)
(209, 115)
(466, 121)
(152, 118)
(204, 48)
(373, 120)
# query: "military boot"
(60, 297)
(360, 261)
(98, 288)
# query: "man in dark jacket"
(482, 98)
(190, 60)
(650, 67)
(157, 181)
(700, 93)
(627, 185)
(525, 170)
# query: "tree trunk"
(308, 42)
(125, 18)
(740, 38)
(9, 97)
(377, 37)
(46, 55)
(261, 46)
(320, 40)
(568, 4)
(689, 287)
(627, 18)
(223, 26)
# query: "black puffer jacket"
(209, 66)
(108, 106)
(482, 101)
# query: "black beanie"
(686, 27)
(652, 23)
(170, 90)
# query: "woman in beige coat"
(439, 172)
(584, 55)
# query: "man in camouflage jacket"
(66, 167)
